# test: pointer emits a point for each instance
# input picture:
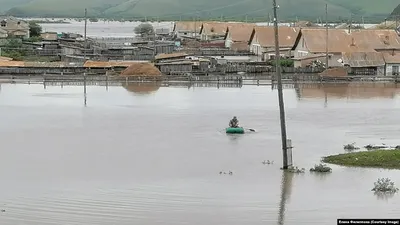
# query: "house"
(379, 40)
(237, 36)
(171, 56)
(364, 63)
(49, 36)
(214, 30)
(392, 61)
(312, 41)
(262, 41)
(3, 33)
(179, 67)
(187, 29)
(15, 27)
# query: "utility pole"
(84, 58)
(350, 22)
(363, 22)
(327, 36)
(84, 42)
(280, 91)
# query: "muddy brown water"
(139, 155)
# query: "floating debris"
(296, 169)
(267, 162)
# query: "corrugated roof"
(391, 58)
(190, 26)
(99, 64)
(339, 40)
(11, 64)
(216, 28)
(266, 36)
(363, 59)
(377, 39)
(2, 58)
(171, 55)
(182, 62)
(240, 32)
(240, 46)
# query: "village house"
(379, 40)
(312, 42)
(262, 41)
(392, 61)
(364, 63)
(214, 30)
(14, 27)
(49, 36)
(187, 29)
(170, 57)
(237, 36)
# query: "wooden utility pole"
(280, 91)
(363, 22)
(84, 57)
(327, 36)
(350, 22)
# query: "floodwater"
(112, 28)
(152, 155)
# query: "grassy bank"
(387, 159)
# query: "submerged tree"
(144, 29)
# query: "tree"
(93, 20)
(34, 29)
(144, 29)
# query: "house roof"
(215, 28)
(11, 64)
(377, 39)
(363, 59)
(190, 26)
(171, 55)
(99, 64)
(240, 32)
(339, 40)
(240, 46)
(391, 58)
(266, 36)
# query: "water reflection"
(384, 196)
(349, 90)
(142, 88)
(286, 191)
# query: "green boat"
(235, 130)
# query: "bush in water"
(321, 168)
(384, 185)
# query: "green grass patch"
(386, 159)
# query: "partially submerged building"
(262, 41)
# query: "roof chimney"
(352, 42)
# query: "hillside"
(187, 9)
(396, 12)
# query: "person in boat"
(234, 123)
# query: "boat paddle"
(252, 130)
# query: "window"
(395, 70)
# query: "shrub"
(350, 147)
(384, 185)
(321, 168)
